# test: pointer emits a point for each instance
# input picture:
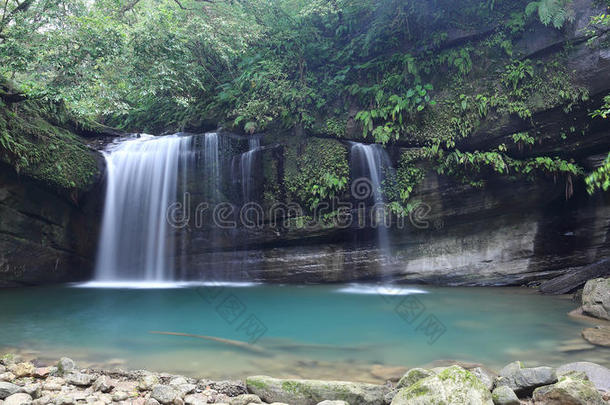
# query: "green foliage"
(604, 110)
(316, 173)
(516, 72)
(388, 120)
(399, 185)
(600, 178)
(34, 144)
(522, 139)
(555, 12)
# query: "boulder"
(524, 380)
(18, 399)
(246, 399)
(569, 391)
(7, 389)
(165, 394)
(596, 298)
(485, 376)
(65, 365)
(598, 375)
(600, 335)
(311, 392)
(412, 376)
(503, 395)
(452, 386)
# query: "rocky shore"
(28, 383)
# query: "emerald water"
(339, 331)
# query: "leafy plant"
(552, 12)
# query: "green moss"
(315, 171)
(32, 141)
(257, 384)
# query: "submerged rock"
(600, 335)
(596, 298)
(524, 380)
(503, 395)
(569, 391)
(452, 386)
(598, 375)
(311, 392)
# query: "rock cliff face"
(44, 237)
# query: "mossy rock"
(569, 390)
(452, 386)
(311, 392)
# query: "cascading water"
(247, 163)
(243, 170)
(370, 161)
(136, 242)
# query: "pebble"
(79, 379)
(103, 384)
(120, 396)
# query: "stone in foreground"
(598, 375)
(412, 376)
(504, 396)
(18, 399)
(596, 298)
(311, 392)
(524, 380)
(452, 386)
(165, 394)
(7, 389)
(569, 391)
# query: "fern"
(555, 12)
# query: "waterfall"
(243, 170)
(247, 163)
(370, 161)
(136, 242)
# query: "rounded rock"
(165, 394)
(503, 395)
(18, 399)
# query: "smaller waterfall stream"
(246, 166)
